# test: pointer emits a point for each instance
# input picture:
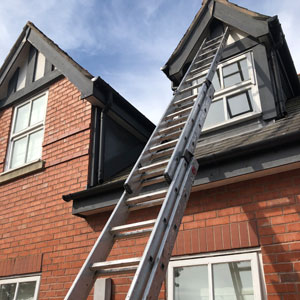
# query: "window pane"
(215, 114)
(18, 153)
(239, 104)
(235, 73)
(233, 281)
(191, 283)
(232, 80)
(35, 146)
(26, 290)
(244, 67)
(22, 117)
(38, 110)
(7, 291)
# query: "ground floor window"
(230, 277)
(24, 288)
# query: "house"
(66, 134)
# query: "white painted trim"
(18, 280)
(209, 259)
(25, 132)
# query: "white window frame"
(250, 84)
(19, 280)
(25, 132)
(253, 257)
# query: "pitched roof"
(209, 5)
(94, 89)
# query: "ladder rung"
(176, 120)
(135, 233)
(153, 181)
(207, 52)
(146, 204)
(185, 99)
(132, 226)
(115, 263)
(153, 166)
(172, 115)
(163, 145)
(114, 271)
(195, 78)
(204, 59)
(147, 197)
(169, 136)
(209, 46)
(164, 153)
(171, 128)
(202, 68)
(213, 39)
(190, 87)
(153, 174)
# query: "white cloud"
(136, 36)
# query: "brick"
(226, 236)
(210, 239)
(218, 238)
(195, 241)
(203, 242)
(244, 236)
(235, 237)
(277, 268)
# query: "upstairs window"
(236, 92)
(27, 132)
(25, 288)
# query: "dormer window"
(236, 93)
(27, 132)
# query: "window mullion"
(27, 146)
(16, 291)
(210, 282)
(30, 112)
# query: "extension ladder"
(163, 175)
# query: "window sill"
(21, 171)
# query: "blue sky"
(127, 41)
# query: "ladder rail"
(130, 184)
(180, 173)
(85, 279)
(160, 266)
(149, 256)
(187, 130)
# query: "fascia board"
(190, 41)
(13, 55)
(84, 84)
(244, 22)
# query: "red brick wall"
(37, 227)
(264, 213)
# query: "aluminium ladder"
(163, 175)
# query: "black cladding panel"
(121, 149)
